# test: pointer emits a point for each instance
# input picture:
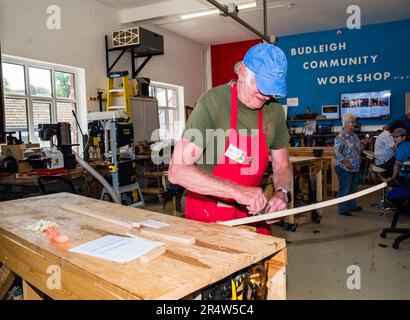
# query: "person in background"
(348, 149)
(402, 155)
(384, 152)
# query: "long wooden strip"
(315, 206)
(91, 213)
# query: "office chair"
(369, 155)
(382, 204)
(55, 184)
(400, 208)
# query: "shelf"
(323, 135)
(303, 120)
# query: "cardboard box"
(17, 150)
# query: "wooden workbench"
(316, 168)
(182, 270)
(328, 155)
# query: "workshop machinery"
(59, 154)
(112, 139)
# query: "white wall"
(181, 64)
(80, 42)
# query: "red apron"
(206, 209)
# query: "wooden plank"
(164, 235)
(289, 212)
(276, 281)
(90, 212)
(7, 278)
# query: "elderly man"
(348, 149)
(225, 185)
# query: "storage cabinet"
(144, 113)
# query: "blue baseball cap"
(269, 64)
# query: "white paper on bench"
(115, 248)
(153, 224)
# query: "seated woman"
(402, 155)
(348, 149)
(384, 152)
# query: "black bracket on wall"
(152, 44)
(234, 16)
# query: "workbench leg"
(29, 293)
(6, 280)
(319, 194)
(277, 276)
(335, 179)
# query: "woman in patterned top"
(348, 149)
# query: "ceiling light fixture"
(216, 11)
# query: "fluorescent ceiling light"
(247, 5)
(199, 14)
(216, 11)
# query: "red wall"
(224, 57)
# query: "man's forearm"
(281, 178)
(195, 180)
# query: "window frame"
(179, 104)
(53, 100)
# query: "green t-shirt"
(213, 110)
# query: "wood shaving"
(42, 225)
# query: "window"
(168, 109)
(36, 94)
(40, 82)
(13, 79)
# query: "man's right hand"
(253, 198)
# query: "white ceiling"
(305, 16)
(127, 4)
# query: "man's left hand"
(277, 203)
